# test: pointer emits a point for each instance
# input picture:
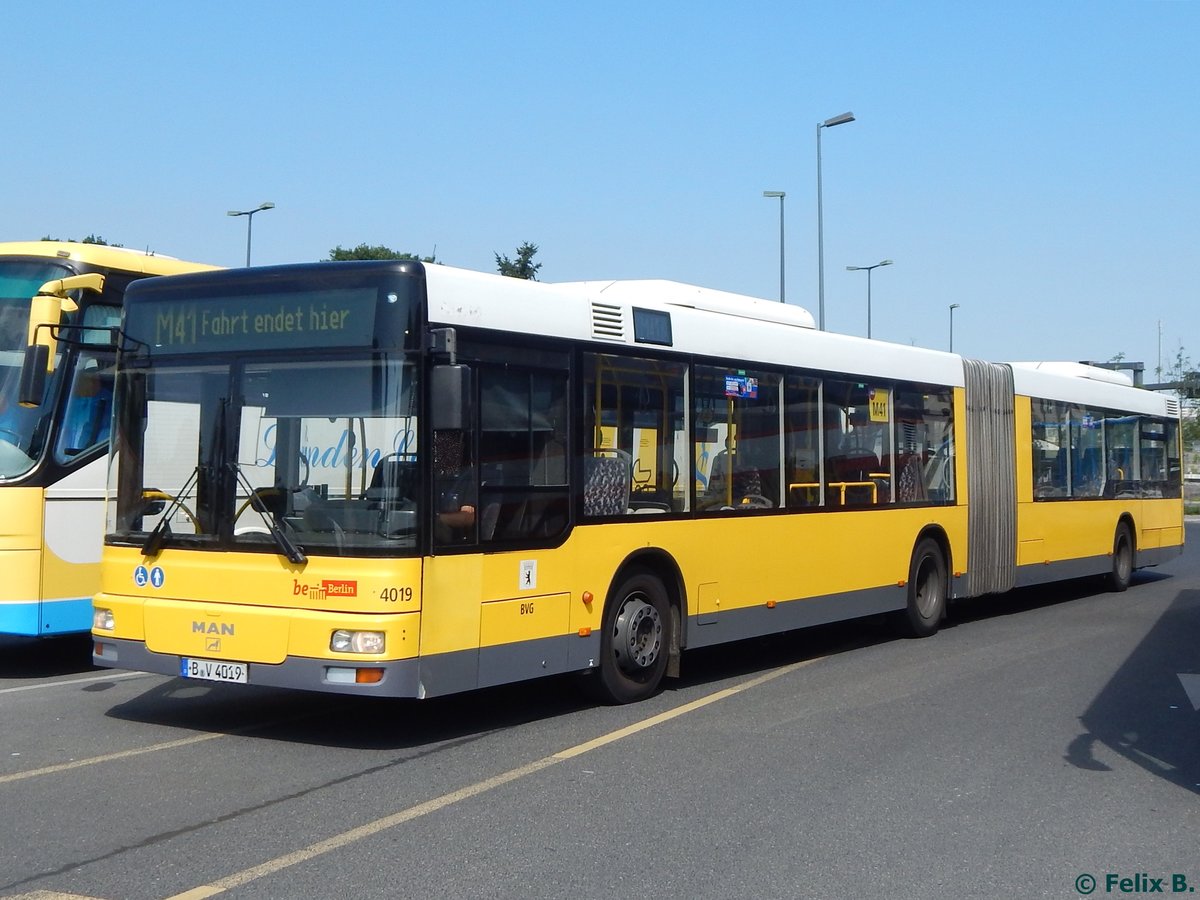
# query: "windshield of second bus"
(21, 440)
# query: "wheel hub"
(637, 635)
(929, 588)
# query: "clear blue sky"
(1034, 162)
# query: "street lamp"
(867, 269)
(953, 307)
(249, 214)
(780, 195)
(828, 123)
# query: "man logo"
(212, 628)
(212, 644)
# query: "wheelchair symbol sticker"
(154, 577)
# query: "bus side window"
(522, 453)
(802, 424)
(634, 413)
(454, 488)
(737, 414)
(1051, 447)
(88, 413)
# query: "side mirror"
(33, 375)
(450, 397)
(153, 502)
(45, 312)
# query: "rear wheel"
(927, 591)
(635, 642)
(1122, 559)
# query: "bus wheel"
(1122, 562)
(635, 641)
(927, 590)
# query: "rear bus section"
(1099, 475)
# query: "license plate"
(213, 670)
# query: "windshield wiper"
(155, 539)
(293, 553)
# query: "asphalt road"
(1040, 740)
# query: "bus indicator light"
(587, 598)
(770, 604)
(368, 676)
(585, 631)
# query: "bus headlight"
(344, 641)
(102, 619)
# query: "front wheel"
(1122, 561)
(635, 641)
(927, 591)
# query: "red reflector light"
(368, 676)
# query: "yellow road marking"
(151, 748)
(108, 757)
(114, 676)
(237, 879)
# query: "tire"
(635, 641)
(927, 591)
(1122, 561)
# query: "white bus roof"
(703, 321)
(675, 293)
(1073, 382)
(714, 323)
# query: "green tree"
(90, 239)
(1181, 373)
(523, 266)
(1191, 432)
(378, 251)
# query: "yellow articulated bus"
(54, 446)
(402, 480)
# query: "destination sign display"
(327, 318)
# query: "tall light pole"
(249, 214)
(953, 307)
(828, 123)
(868, 270)
(780, 195)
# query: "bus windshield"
(319, 449)
(21, 438)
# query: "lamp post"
(828, 123)
(249, 214)
(780, 195)
(868, 269)
(953, 307)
